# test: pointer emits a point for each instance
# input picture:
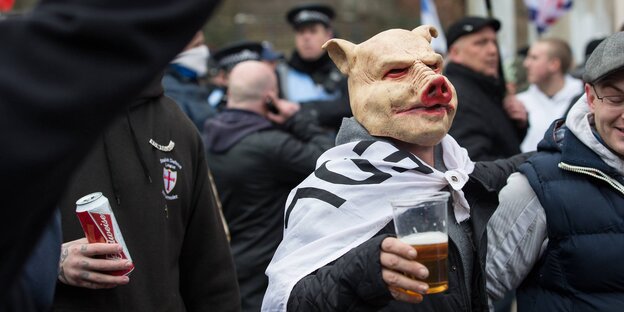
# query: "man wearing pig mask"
(339, 252)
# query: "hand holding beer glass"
(420, 221)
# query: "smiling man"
(558, 232)
(338, 252)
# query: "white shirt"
(543, 110)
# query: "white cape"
(346, 201)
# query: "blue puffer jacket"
(583, 199)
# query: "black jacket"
(481, 125)
(166, 211)
(255, 164)
(67, 68)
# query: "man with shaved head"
(259, 148)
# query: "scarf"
(346, 201)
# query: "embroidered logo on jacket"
(170, 177)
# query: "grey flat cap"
(607, 58)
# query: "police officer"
(225, 59)
(310, 78)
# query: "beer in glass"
(421, 221)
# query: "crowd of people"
(243, 179)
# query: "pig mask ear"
(426, 31)
(340, 52)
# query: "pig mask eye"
(396, 73)
(434, 67)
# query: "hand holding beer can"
(100, 226)
(420, 221)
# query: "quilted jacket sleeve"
(351, 283)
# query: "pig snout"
(437, 92)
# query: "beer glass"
(420, 220)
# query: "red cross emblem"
(169, 177)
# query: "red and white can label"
(100, 226)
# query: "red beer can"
(100, 226)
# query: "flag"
(545, 13)
(6, 5)
(429, 16)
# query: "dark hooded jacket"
(481, 124)
(255, 164)
(354, 281)
(68, 67)
(166, 212)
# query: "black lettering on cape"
(332, 177)
(312, 192)
(361, 147)
(400, 155)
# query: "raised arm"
(67, 67)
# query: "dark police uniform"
(317, 85)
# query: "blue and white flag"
(429, 16)
(545, 13)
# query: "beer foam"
(426, 238)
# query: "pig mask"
(395, 86)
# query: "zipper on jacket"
(593, 173)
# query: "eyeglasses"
(609, 99)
